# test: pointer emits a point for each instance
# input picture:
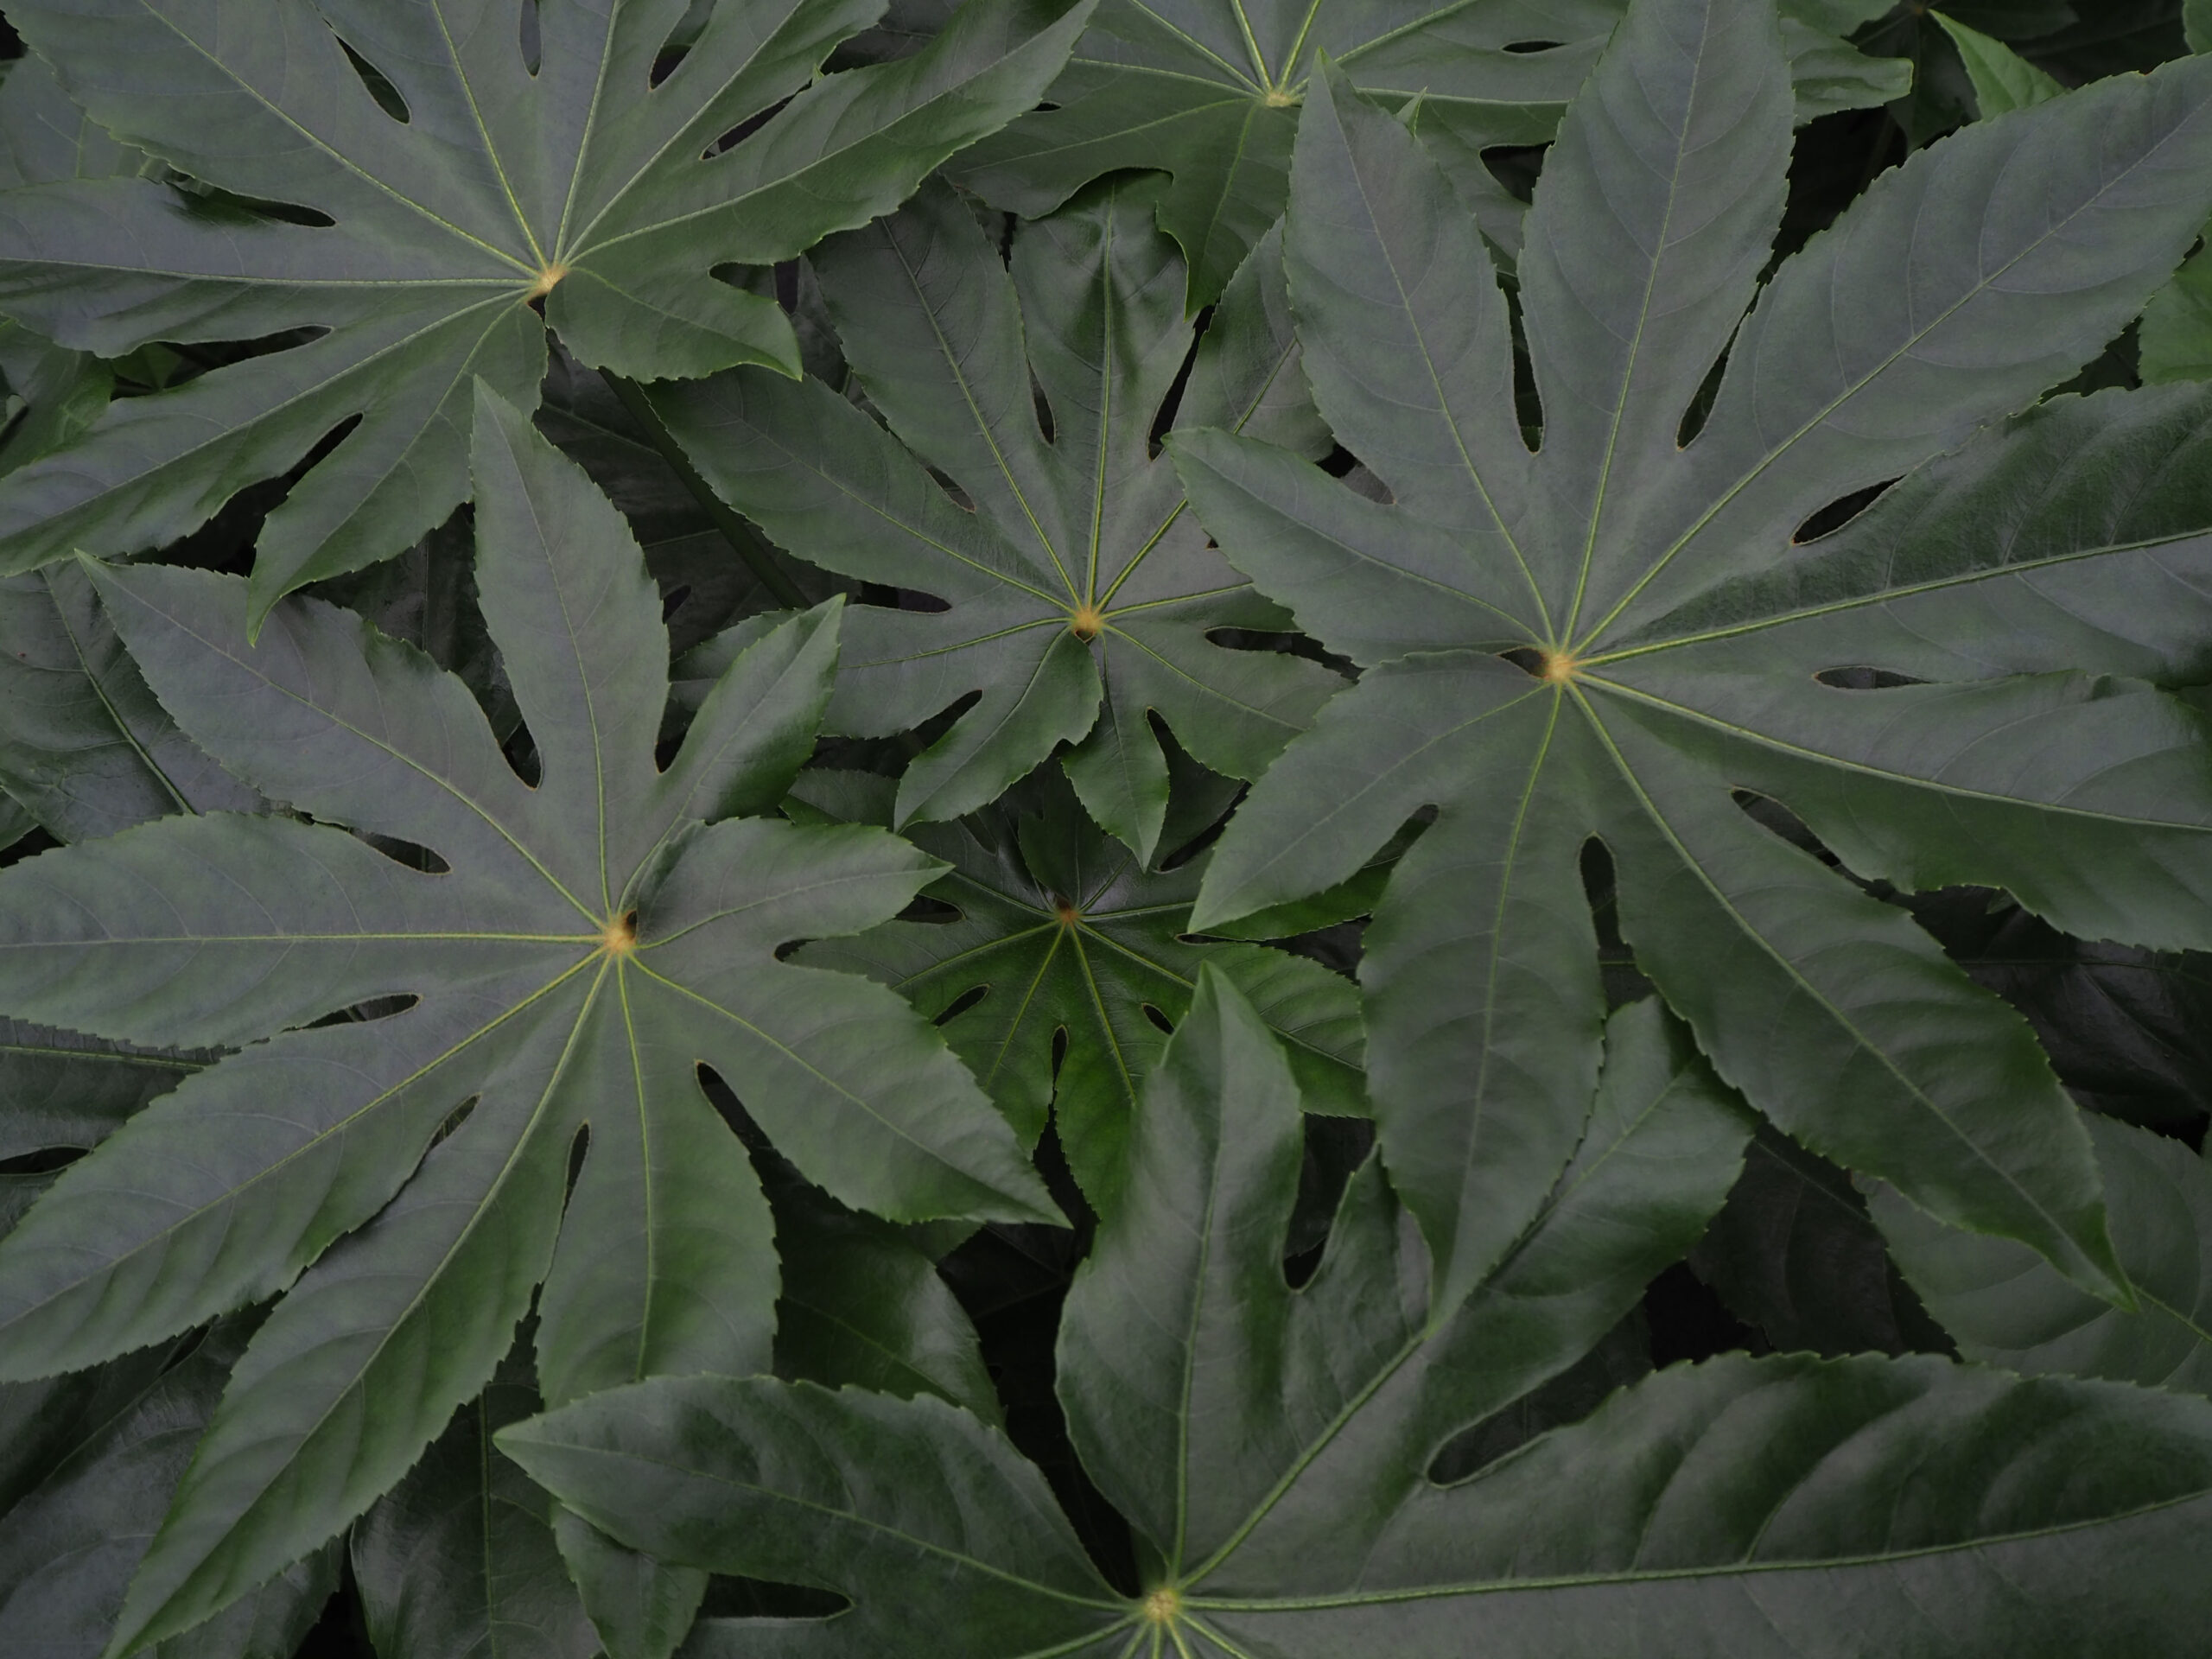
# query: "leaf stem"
(742, 537)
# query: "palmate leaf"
(1209, 90)
(1080, 597)
(1677, 637)
(1272, 1448)
(471, 157)
(589, 943)
(1062, 967)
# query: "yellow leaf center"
(1558, 667)
(1087, 622)
(1280, 97)
(547, 280)
(1068, 913)
(620, 937)
(1163, 1605)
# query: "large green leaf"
(456, 169)
(2005, 1306)
(69, 1547)
(588, 942)
(1272, 1448)
(1209, 90)
(1618, 634)
(1078, 597)
(1062, 966)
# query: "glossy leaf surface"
(442, 170)
(1080, 598)
(1273, 1447)
(1209, 91)
(1957, 686)
(589, 941)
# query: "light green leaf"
(1682, 652)
(1080, 599)
(477, 185)
(2003, 79)
(588, 943)
(1081, 962)
(2008, 1307)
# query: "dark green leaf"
(589, 945)
(1064, 964)
(1681, 649)
(1080, 599)
(1209, 91)
(61, 1089)
(83, 744)
(436, 216)
(457, 1562)
(2006, 1306)
(69, 1548)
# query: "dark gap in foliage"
(2118, 367)
(672, 600)
(1779, 821)
(1515, 167)
(413, 856)
(786, 280)
(1012, 1281)
(1059, 1052)
(529, 35)
(455, 1118)
(791, 948)
(1689, 1322)
(734, 1598)
(922, 908)
(1288, 643)
(941, 722)
(163, 365)
(960, 1004)
(1839, 512)
(1338, 461)
(213, 204)
(1860, 677)
(1623, 980)
(1527, 658)
(1532, 46)
(340, 1631)
(30, 846)
(1527, 401)
(388, 97)
(1701, 405)
(1043, 406)
(1834, 159)
(1163, 419)
(44, 1161)
(682, 37)
(11, 44)
(1158, 1018)
(743, 130)
(366, 1014)
(1335, 1147)
(521, 750)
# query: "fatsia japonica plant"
(1154, 828)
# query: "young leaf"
(1274, 1448)
(1681, 646)
(437, 183)
(1080, 598)
(2006, 1306)
(1079, 957)
(590, 943)
(1209, 91)
(2003, 79)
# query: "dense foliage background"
(1188, 827)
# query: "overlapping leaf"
(1272, 1448)
(1079, 597)
(576, 948)
(1618, 634)
(1209, 90)
(1064, 964)
(443, 165)
(2006, 1306)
